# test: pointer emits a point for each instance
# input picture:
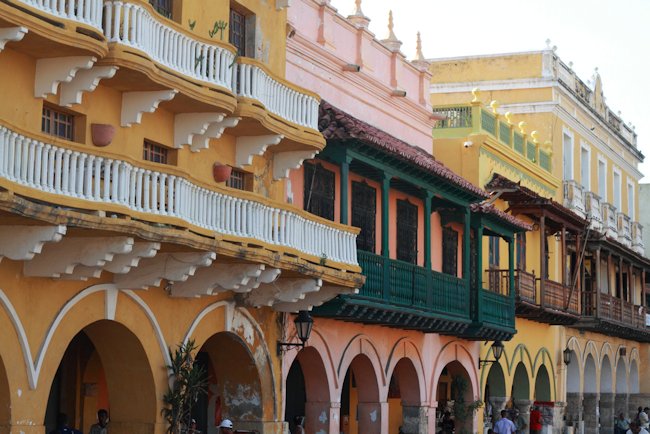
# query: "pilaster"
(590, 403)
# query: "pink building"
(405, 348)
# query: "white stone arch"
(621, 375)
(454, 351)
(575, 369)
(409, 350)
(633, 375)
(591, 383)
(606, 377)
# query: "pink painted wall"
(324, 41)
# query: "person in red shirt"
(535, 421)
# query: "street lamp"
(303, 324)
(566, 355)
(497, 350)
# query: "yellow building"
(551, 151)
(143, 156)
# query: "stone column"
(322, 417)
(559, 411)
(415, 419)
(607, 414)
(371, 417)
(498, 404)
(621, 404)
(573, 410)
(431, 418)
(523, 405)
(591, 412)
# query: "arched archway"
(307, 391)
(520, 383)
(360, 407)
(235, 389)
(574, 389)
(621, 397)
(404, 398)
(495, 392)
(104, 366)
(634, 378)
(542, 385)
(454, 392)
(5, 400)
(606, 376)
(606, 398)
(590, 396)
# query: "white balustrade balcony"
(135, 26)
(574, 198)
(637, 238)
(609, 220)
(279, 98)
(74, 174)
(594, 214)
(87, 12)
(624, 230)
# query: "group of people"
(101, 427)
(516, 424)
(639, 425)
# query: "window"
(585, 167)
(319, 191)
(567, 141)
(155, 153)
(449, 251)
(493, 252)
(238, 31)
(520, 240)
(57, 123)
(617, 190)
(630, 200)
(602, 179)
(163, 7)
(407, 231)
(239, 179)
(364, 210)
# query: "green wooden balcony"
(404, 295)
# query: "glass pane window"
(163, 7)
(521, 251)
(238, 31)
(319, 191)
(493, 252)
(449, 251)
(407, 231)
(155, 153)
(364, 211)
(57, 123)
(237, 179)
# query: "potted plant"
(221, 172)
(102, 134)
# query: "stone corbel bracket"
(54, 70)
(134, 104)
(218, 278)
(174, 267)
(11, 34)
(188, 125)
(214, 131)
(287, 290)
(84, 81)
(285, 161)
(249, 146)
(22, 243)
(61, 259)
(120, 264)
(326, 293)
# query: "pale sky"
(612, 35)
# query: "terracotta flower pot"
(102, 134)
(221, 172)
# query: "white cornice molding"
(486, 56)
(492, 85)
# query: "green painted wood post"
(428, 195)
(511, 267)
(467, 248)
(385, 246)
(345, 187)
(479, 271)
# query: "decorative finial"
(554, 48)
(548, 43)
(522, 127)
(494, 104)
(548, 147)
(418, 48)
(391, 42)
(535, 135)
(570, 64)
(509, 117)
(475, 92)
(358, 18)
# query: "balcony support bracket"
(175, 267)
(249, 146)
(188, 125)
(214, 131)
(84, 81)
(134, 104)
(11, 34)
(283, 290)
(22, 243)
(52, 71)
(284, 161)
(312, 299)
(219, 278)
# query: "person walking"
(535, 421)
(101, 427)
(644, 422)
(504, 425)
(520, 422)
(225, 427)
(621, 424)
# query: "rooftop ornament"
(508, 116)
(391, 42)
(522, 127)
(358, 18)
(494, 104)
(475, 92)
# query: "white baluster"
(147, 191)
(73, 174)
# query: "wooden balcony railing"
(614, 309)
(497, 309)
(555, 295)
(82, 11)
(108, 183)
(405, 284)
